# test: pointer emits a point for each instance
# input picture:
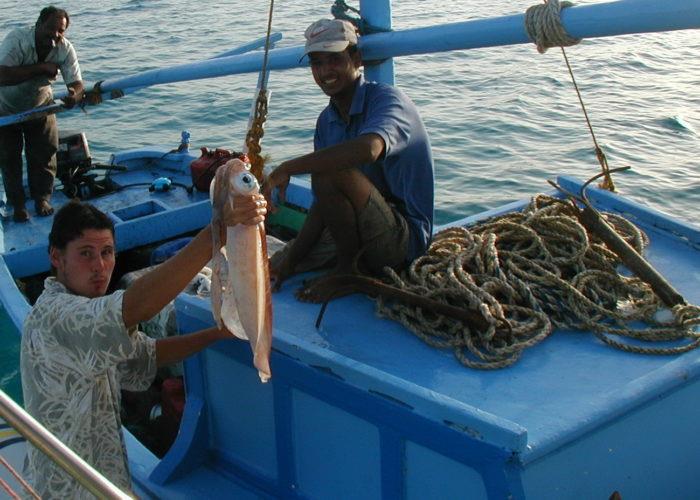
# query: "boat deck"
(363, 394)
(24, 245)
(558, 389)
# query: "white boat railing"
(63, 456)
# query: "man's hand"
(222, 334)
(70, 100)
(75, 94)
(49, 69)
(249, 210)
(92, 97)
(171, 350)
(279, 273)
(278, 178)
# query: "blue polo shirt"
(404, 174)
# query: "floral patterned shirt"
(76, 356)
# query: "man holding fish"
(80, 346)
(371, 170)
(30, 59)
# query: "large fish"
(240, 291)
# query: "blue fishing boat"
(359, 406)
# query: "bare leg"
(309, 234)
(340, 197)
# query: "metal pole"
(595, 20)
(378, 13)
(63, 456)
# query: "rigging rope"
(340, 10)
(538, 269)
(256, 131)
(544, 27)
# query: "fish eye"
(245, 182)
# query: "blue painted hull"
(362, 408)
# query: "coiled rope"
(543, 26)
(538, 269)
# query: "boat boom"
(585, 21)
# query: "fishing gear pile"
(528, 273)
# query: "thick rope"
(254, 136)
(543, 26)
(538, 269)
(256, 132)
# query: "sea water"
(9, 358)
(501, 120)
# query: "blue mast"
(378, 13)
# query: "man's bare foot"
(280, 270)
(43, 208)
(20, 214)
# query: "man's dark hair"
(74, 218)
(49, 11)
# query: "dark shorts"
(383, 238)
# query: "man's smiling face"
(335, 72)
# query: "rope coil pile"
(535, 270)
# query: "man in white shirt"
(80, 347)
(30, 59)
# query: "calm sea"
(501, 120)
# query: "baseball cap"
(329, 35)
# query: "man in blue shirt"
(371, 169)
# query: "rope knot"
(255, 134)
(543, 25)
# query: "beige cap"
(329, 35)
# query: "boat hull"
(363, 409)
